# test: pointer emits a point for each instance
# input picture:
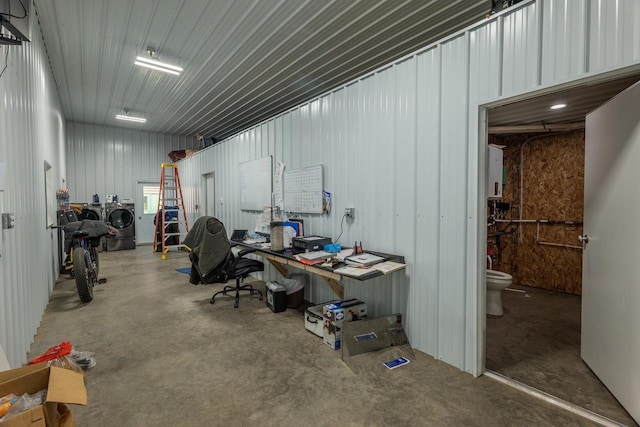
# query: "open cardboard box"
(62, 385)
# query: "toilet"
(496, 282)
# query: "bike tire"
(84, 283)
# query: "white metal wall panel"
(401, 146)
(521, 49)
(564, 39)
(614, 33)
(485, 60)
(422, 318)
(453, 209)
(109, 160)
(485, 83)
(31, 133)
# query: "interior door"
(146, 206)
(611, 261)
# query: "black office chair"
(212, 260)
(239, 269)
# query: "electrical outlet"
(349, 212)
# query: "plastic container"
(277, 236)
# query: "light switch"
(8, 220)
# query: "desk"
(280, 261)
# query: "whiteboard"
(303, 190)
(255, 184)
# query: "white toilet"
(496, 282)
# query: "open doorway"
(532, 235)
(148, 196)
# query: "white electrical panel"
(494, 172)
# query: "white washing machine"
(122, 217)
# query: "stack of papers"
(363, 259)
(387, 267)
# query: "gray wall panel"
(411, 130)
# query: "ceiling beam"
(533, 128)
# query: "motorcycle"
(82, 239)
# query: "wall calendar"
(303, 190)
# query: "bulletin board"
(255, 184)
(303, 190)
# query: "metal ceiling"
(580, 101)
(244, 60)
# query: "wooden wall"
(552, 189)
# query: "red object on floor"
(62, 349)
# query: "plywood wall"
(552, 168)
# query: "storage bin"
(295, 299)
(276, 298)
(295, 284)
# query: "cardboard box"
(313, 320)
(62, 385)
(335, 314)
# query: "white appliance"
(494, 172)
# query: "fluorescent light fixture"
(557, 106)
(157, 65)
(131, 118)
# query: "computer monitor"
(238, 235)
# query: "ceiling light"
(153, 63)
(129, 118)
(558, 106)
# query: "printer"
(310, 243)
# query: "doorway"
(533, 235)
(148, 197)
(209, 194)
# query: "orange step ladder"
(171, 222)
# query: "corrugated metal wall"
(31, 133)
(111, 160)
(401, 146)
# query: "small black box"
(276, 297)
(310, 243)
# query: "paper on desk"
(353, 271)
(344, 253)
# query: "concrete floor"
(537, 342)
(166, 357)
